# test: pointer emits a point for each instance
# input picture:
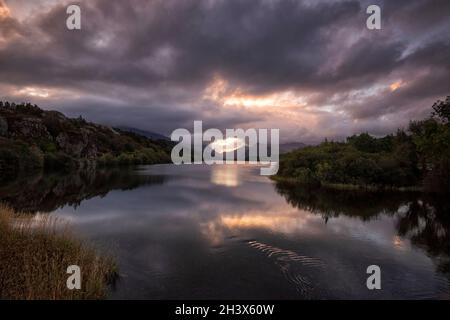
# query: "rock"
(72, 148)
(30, 128)
(79, 145)
(55, 115)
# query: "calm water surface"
(188, 232)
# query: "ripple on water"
(291, 265)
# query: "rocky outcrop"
(70, 146)
(31, 137)
(28, 128)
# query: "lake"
(225, 232)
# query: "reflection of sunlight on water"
(287, 222)
(279, 223)
(225, 175)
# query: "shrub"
(59, 161)
(16, 156)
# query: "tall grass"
(35, 254)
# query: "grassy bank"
(343, 186)
(35, 254)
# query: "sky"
(309, 68)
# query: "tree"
(363, 142)
(442, 110)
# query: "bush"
(306, 176)
(107, 159)
(48, 146)
(16, 156)
(59, 161)
(346, 163)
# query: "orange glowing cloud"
(21, 93)
(394, 86)
(279, 99)
(4, 10)
(34, 92)
(288, 109)
(286, 220)
(220, 91)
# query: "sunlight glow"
(227, 176)
(227, 145)
(220, 91)
(394, 86)
(285, 221)
(281, 99)
(4, 10)
(34, 92)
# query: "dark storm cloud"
(159, 118)
(148, 62)
(253, 41)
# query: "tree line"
(416, 157)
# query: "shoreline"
(348, 187)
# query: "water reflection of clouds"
(245, 204)
(286, 220)
(160, 229)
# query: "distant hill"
(32, 138)
(148, 134)
(287, 147)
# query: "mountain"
(148, 134)
(31, 138)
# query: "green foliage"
(432, 139)
(107, 159)
(142, 156)
(17, 156)
(420, 156)
(24, 108)
(347, 163)
(59, 161)
(442, 110)
(48, 146)
(366, 143)
(49, 139)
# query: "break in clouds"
(310, 68)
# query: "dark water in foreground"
(225, 232)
